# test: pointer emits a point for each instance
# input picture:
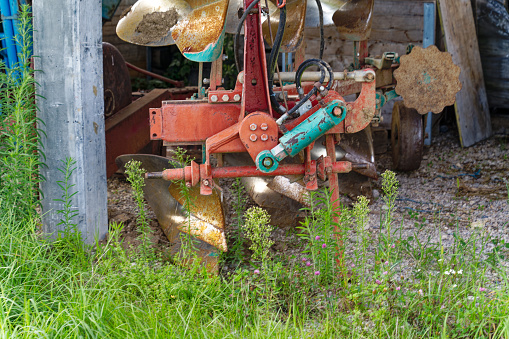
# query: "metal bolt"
(264, 126)
(268, 162)
(349, 129)
(264, 137)
(253, 137)
(226, 97)
(322, 88)
(236, 97)
(188, 184)
(206, 81)
(213, 98)
(349, 107)
(253, 127)
(369, 77)
(337, 111)
(205, 182)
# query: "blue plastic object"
(8, 17)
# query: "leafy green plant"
(257, 229)
(135, 175)
(69, 240)
(20, 152)
(235, 236)
(323, 235)
(188, 242)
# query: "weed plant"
(19, 135)
(69, 240)
(135, 175)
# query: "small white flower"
(460, 272)
(470, 297)
(439, 260)
(453, 286)
(453, 271)
(447, 272)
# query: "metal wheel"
(117, 82)
(407, 137)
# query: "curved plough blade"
(205, 220)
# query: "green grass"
(391, 286)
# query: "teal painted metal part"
(266, 162)
(383, 98)
(312, 128)
(301, 136)
(108, 9)
(211, 53)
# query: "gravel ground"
(455, 189)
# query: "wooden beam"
(472, 111)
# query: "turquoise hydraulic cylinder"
(302, 135)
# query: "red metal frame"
(231, 121)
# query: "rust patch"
(201, 28)
(155, 26)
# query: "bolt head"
(349, 107)
(188, 184)
(268, 162)
(264, 126)
(213, 98)
(337, 111)
(349, 129)
(264, 137)
(253, 137)
(226, 97)
(236, 97)
(322, 88)
(205, 182)
(369, 77)
(253, 127)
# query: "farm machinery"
(284, 133)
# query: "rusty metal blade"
(200, 35)
(294, 29)
(171, 214)
(196, 26)
(149, 22)
(354, 19)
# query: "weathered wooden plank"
(472, 111)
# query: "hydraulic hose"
(236, 41)
(322, 34)
(274, 54)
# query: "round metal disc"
(427, 79)
(117, 82)
(407, 137)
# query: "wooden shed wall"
(396, 24)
